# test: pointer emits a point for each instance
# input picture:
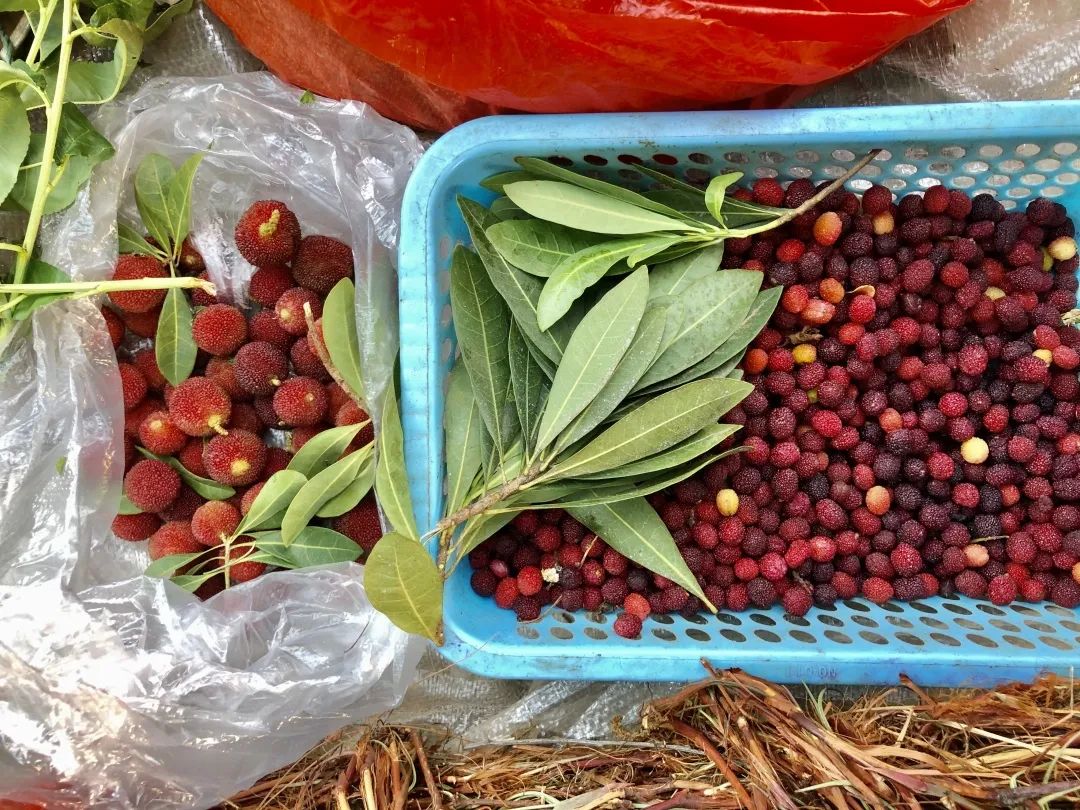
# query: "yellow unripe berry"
(883, 223)
(804, 353)
(812, 395)
(1076, 573)
(727, 501)
(878, 500)
(975, 450)
(1063, 248)
(1047, 260)
(994, 293)
(977, 556)
(1044, 354)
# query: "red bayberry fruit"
(321, 262)
(219, 329)
(300, 401)
(130, 268)
(268, 233)
(235, 459)
(151, 485)
(199, 407)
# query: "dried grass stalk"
(728, 742)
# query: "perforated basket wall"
(1014, 151)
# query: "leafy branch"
(41, 172)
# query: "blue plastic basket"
(1013, 150)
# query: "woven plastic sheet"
(122, 691)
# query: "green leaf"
(594, 351)
(174, 344)
(708, 312)
(482, 323)
(634, 363)
(697, 445)
(315, 545)
(192, 582)
(672, 183)
(205, 487)
(16, 128)
(576, 207)
(714, 193)
(316, 492)
(99, 82)
(495, 182)
(179, 201)
(153, 179)
(545, 169)
(127, 507)
(671, 278)
(740, 213)
(578, 272)
(79, 148)
(165, 567)
(339, 333)
(25, 5)
(163, 20)
(307, 97)
(273, 499)
(403, 584)
(690, 205)
(657, 425)
(391, 477)
(39, 272)
(518, 289)
(634, 529)
(51, 37)
(349, 497)
(131, 241)
(760, 312)
(503, 208)
(536, 246)
(653, 248)
(323, 449)
(529, 383)
(462, 428)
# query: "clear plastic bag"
(121, 691)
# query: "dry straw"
(730, 741)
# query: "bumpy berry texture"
(129, 268)
(361, 524)
(199, 407)
(151, 485)
(260, 367)
(135, 527)
(159, 435)
(268, 233)
(174, 537)
(214, 522)
(219, 329)
(321, 262)
(235, 459)
(300, 401)
(290, 309)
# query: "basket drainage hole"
(663, 618)
(559, 160)
(728, 618)
(1056, 643)
(1008, 627)
(733, 635)
(859, 606)
(958, 609)
(865, 621)
(630, 160)
(873, 638)
(942, 638)
(595, 633)
(993, 610)
(838, 637)
(1042, 627)
(967, 624)
(698, 635)
(665, 159)
(700, 157)
(982, 641)
(1068, 625)
(937, 623)
(922, 607)
(910, 638)
(767, 635)
(830, 621)
(1022, 643)
(663, 635)
(896, 621)
(596, 160)
(761, 618)
(563, 616)
(561, 633)
(805, 638)
(697, 619)
(530, 633)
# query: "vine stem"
(324, 355)
(85, 288)
(785, 218)
(53, 114)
